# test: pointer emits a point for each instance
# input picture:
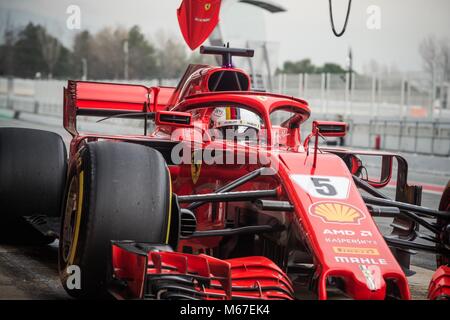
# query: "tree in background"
(28, 59)
(142, 56)
(30, 50)
(172, 57)
(50, 50)
(83, 54)
(107, 48)
(33, 51)
(64, 66)
(197, 58)
(429, 52)
(302, 66)
(105, 55)
(306, 66)
(7, 48)
(445, 58)
(330, 68)
(435, 55)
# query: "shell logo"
(207, 6)
(335, 212)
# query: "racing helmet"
(238, 119)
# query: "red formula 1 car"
(219, 198)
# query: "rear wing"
(82, 98)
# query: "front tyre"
(114, 191)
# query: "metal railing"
(369, 112)
(411, 136)
(405, 97)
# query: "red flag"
(197, 19)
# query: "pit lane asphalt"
(31, 273)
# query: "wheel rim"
(70, 217)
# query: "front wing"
(146, 271)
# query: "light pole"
(349, 82)
(126, 57)
(85, 69)
(350, 66)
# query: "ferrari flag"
(197, 19)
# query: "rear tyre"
(32, 177)
(115, 191)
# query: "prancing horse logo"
(196, 167)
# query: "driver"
(235, 123)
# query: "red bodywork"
(226, 279)
(335, 234)
(439, 288)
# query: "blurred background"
(388, 76)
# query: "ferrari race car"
(220, 198)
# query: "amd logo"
(348, 233)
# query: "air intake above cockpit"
(228, 80)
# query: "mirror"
(330, 128)
(173, 119)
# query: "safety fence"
(403, 97)
(386, 127)
(421, 137)
(405, 136)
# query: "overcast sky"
(303, 31)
